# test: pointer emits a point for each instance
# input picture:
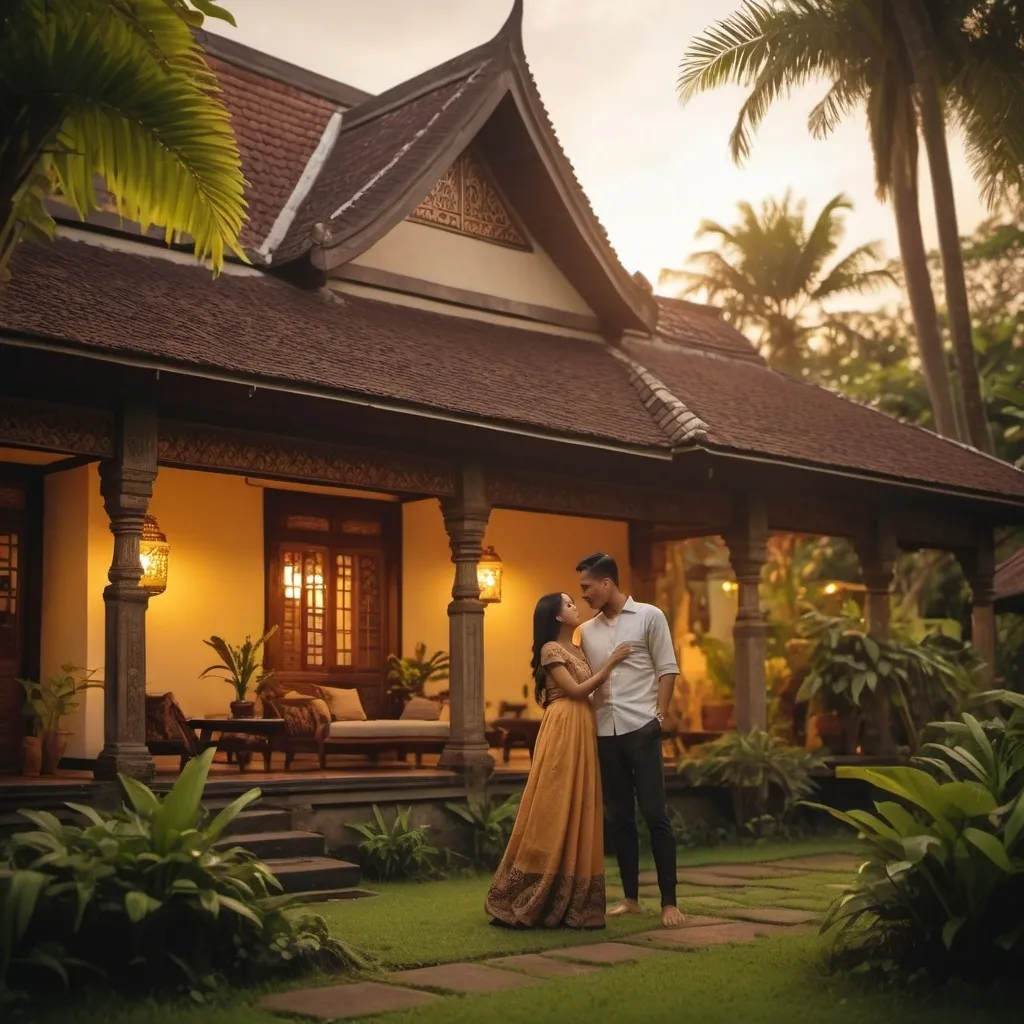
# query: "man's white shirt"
(629, 699)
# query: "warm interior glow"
(831, 588)
(153, 556)
(729, 586)
(488, 576)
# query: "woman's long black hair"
(546, 628)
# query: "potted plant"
(717, 716)
(409, 676)
(32, 741)
(47, 703)
(242, 669)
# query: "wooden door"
(13, 619)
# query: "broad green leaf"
(1014, 823)
(179, 810)
(970, 798)
(989, 845)
(230, 903)
(141, 797)
(229, 813)
(139, 904)
(950, 929)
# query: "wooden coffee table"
(206, 727)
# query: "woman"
(552, 873)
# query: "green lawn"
(773, 981)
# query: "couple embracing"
(598, 749)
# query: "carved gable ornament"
(467, 201)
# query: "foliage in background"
(242, 667)
(488, 825)
(413, 674)
(756, 767)
(147, 897)
(923, 681)
(398, 850)
(774, 274)
(117, 90)
(942, 889)
(720, 660)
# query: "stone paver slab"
(710, 935)
(820, 862)
(541, 966)
(689, 921)
(601, 953)
(341, 1002)
(774, 915)
(703, 876)
(752, 871)
(463, 978)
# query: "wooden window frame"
(279, 506)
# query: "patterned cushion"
(321, 710)
(165, 722)
(422, 709)
(299, 720)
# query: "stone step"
(314, 874)
(328, 895)
(277, 845)
(258, 822)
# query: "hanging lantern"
(488, 576)
(153, 554)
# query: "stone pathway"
(736, 924)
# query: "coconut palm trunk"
(919, 290)
(914, 31)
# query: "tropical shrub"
(923, 681)
(240, 667)
(754, 765)
(488, 825)
(148, 896)
(398, 850)
(413, 674)
(942, 887)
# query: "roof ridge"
(679, 424)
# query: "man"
(630, 708)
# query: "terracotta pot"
(717, 717)
(243, 708)
(31, 755)
(55, 743)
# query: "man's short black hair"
(600, 566)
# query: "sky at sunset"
(606, 69)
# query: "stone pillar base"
(472, 761)
(125, 759)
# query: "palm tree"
(773, 46)
(116, 90)
(772, 273)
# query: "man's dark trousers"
(632, 769)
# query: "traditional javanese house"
(433, 351)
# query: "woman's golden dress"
(552, 873)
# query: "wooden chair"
(167, 730)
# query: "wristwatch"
(660, 717)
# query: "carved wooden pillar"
(747, 539)
(126, 482)
(646, 561)
(465, 519)
(979, 565)
(878, 552)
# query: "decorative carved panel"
(199, 447)
(534, 492)
(57, 428)
(466, 200)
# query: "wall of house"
(215, 583)
(539, 553)
(458, 261)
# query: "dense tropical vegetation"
(119, 91)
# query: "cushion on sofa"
(422, 709)
(345, 705)
(389, 729)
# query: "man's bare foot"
(624, 908)
(671, 917)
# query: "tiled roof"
(697, 326)
(1009, 581)
(258, 326)
(382, 151)
(277, 127)
(749, 408)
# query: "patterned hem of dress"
(520, 900)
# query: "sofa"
(325, 720)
